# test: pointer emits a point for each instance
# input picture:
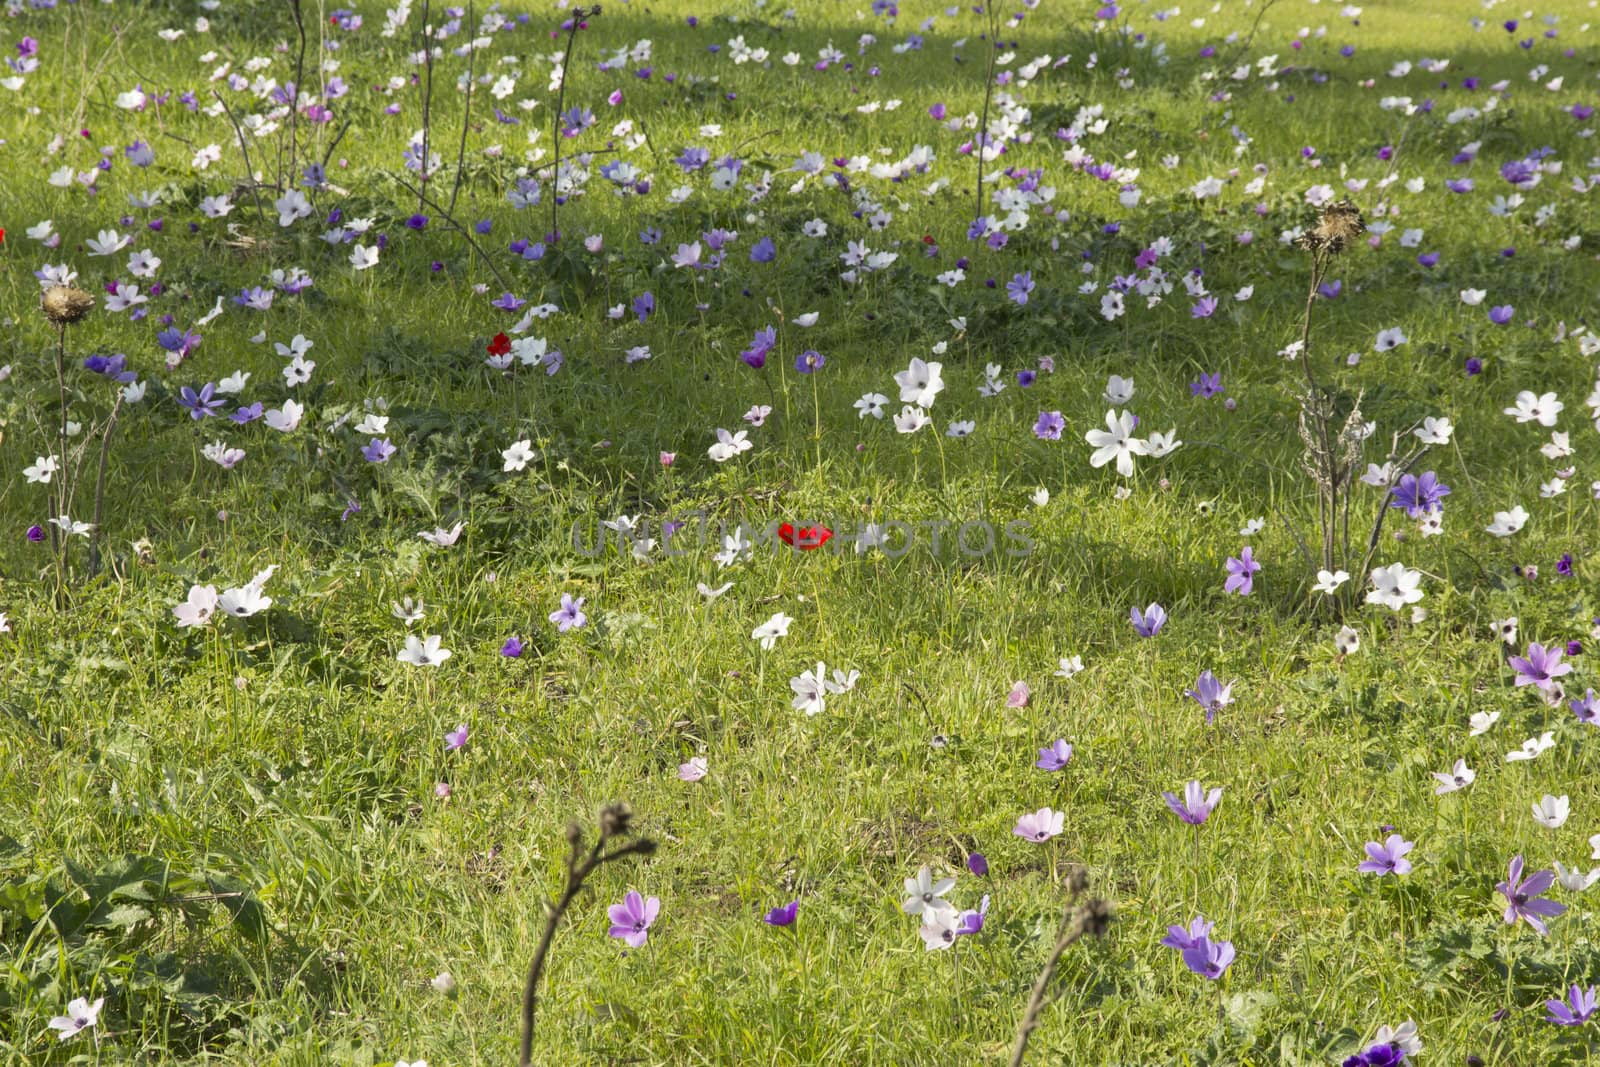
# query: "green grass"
(290, 758)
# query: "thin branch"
(332, 145)
(580, 865)
(573, 26)
(462, 230)
(1244, 45)
(427, 99)
(299, 78)
(1383, 513)
(988, 91)
(1077, 921)
(249, 171)
(466, 114)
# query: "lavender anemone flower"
(630, 920)
(1208, 958)
(1587, 709)
(569, 616)
(1524, 899)
(1197, 804)
(1055, 757)
(1210, 694)
(1388, 857)
(1184, 939)
(756, 355)
(1149, 622)
(205, 402)
(1575, 1010)
(972, 921)
(1039, 825)
(1419, 495)
(1540, 667)
(1241, 573)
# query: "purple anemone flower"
(1540, 667)
(1241, 573)
(782, 916)
(1055, 757)
(569, 616)
(1210, 694)
(1149, 622)
(1575, 1010)
(1388, 857)
(1183, 939)
(1525, 900)
(1418, 494)
(1208, 958)
(630, 920)
(1384, 1054)
(1197, 804)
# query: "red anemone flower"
(805, 538)
(500, 345)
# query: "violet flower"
(1055, 757)
(782, 916)
(1388, 857)
(1524, 899)
(1197, 805)
(1540, 667)
(631, 920)
(1149, 622)
(1182, 938)
(1210, 694)
(1419, 495)
(1575, 1010)
(1207, 958)
(1241, 573)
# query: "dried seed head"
(1097, 916)
(64, 304)
(614, 821)
(1340, 224)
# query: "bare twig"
(575, 24)
(450, 221)
(466, 113)
(294, 102)
(1383, 513)
(427, 101)
(334, 144)
(580, 864)
(249, 171)
(1078, 921)
(993, 12)
(1245, 42)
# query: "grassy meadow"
(265, 838)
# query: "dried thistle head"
(65, 304)
(614, 819)
(1097, 917)
(1339, 225)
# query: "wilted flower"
(1339, 224)
(65, 304)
